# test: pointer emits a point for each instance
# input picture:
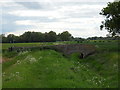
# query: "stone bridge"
(83, 49)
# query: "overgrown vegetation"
(112, 18)
(50, 69)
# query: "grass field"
(50, 69)
(7, 45)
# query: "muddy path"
(4, 59)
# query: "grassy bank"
(7, 45)
(50, 69)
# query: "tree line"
(29, 36)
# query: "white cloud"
(58, 12)
(72, 23)
(79, 27)
(25, 22)
(55, 0)
(79, 19)
(76, 33)
(36, 13)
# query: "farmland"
(50, 44)
(50, 69)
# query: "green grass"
(111, 43)
(50, 69)
(0, 76)
(7, 45)
(105, 64)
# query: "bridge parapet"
(83, 49)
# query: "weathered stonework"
(83, 49)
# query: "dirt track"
(3, 59)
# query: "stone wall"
(83, 49)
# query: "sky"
(79, 17)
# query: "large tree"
(26, 37)
(11, 38)
(112, 20)
(52, 36)
(3, 39)
(65, 36)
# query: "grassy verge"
(46, 69)
(7, 45)
(50, 69)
